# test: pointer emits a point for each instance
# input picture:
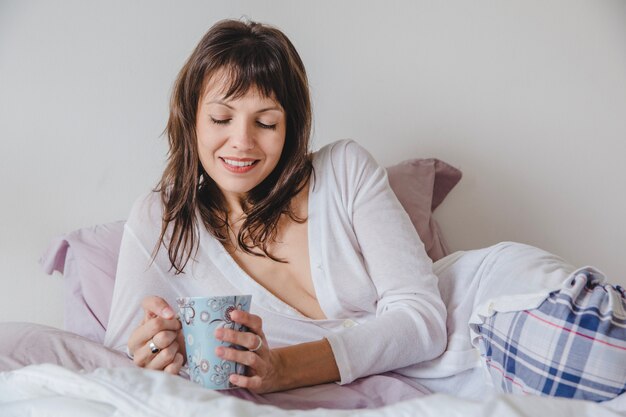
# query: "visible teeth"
(238, 163)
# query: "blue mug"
(200, 316)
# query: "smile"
(239, 166)
(239, 163)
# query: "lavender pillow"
(88, 257)
(421, 185)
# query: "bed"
(68, 372)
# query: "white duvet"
(50, 390)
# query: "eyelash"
(226, 121)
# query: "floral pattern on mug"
(197, 366)
(186, 309)
(225, 320)
(221, 372)
(205, 316)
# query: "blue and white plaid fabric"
(573, 345)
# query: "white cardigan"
(371, 274)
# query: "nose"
(242, 137)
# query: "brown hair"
(253, 55)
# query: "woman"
(342, 287)
(340, 280)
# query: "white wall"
(527, 97)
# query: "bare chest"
(290, 281)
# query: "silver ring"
(153, 347)
(259, 346)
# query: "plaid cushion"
(573, 345)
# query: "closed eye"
(264, 126)
(220, 122)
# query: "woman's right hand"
(160, 326)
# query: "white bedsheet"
(45, 390)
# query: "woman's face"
(239, 140)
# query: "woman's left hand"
(264, 365)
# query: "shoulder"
(341, 152)
(346, 171)
(344, 159)
(347, 162)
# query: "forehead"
(224, 85)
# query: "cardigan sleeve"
(137, 276)
(409, 325)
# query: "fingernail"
(219, 351)
(167, 313)
(219, 333)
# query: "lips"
(239, 165)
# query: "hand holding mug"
(157, 343)
(264, 365)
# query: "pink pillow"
(88, 257)
(421, 185)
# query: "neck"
(234, 206)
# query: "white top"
(371, 274)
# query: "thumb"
(154, 306)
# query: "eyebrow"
(223, 103)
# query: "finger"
(253, 383)
(174, 367)
(247, 340)
(144, 356)
(244, 357)
(164, 338)
(145, 332)
(251, 321)
(165, 357)
(154, 306)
